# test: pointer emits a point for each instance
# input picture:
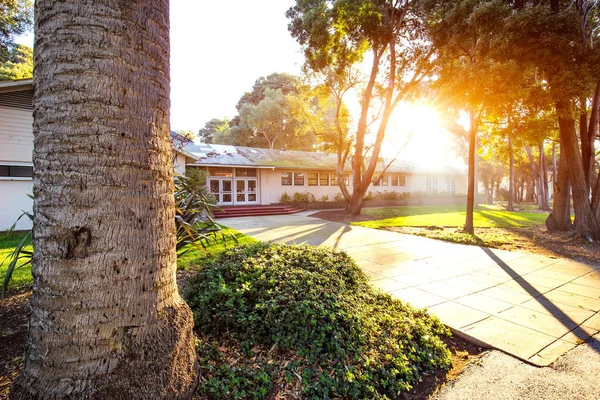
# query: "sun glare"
(429, 144)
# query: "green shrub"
(285, 198)
(369, 196)
(341, 337)
(339, 197)
(324, 198)
(304, 197)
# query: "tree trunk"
(537, 181)
(543, 177)
(585, 222)
(471, 180)
(561, 212)
(511, 175)
(107, 321)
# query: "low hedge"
(305, 320)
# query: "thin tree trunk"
(107, 321)
(585, 221)
(471, 179)
(587, 157)
(543, 177)
(536, 177)
(511, 174)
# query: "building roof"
(16, 85)
(216, 155)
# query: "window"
(384, 180)
(16, 171)
(402, 180)
(286, 179)
(451, 185)
(346, 179)
(434, 185)
(323, 179)
(245, 172)
(218, 171)
(313, 179)
(333, 180)
(377, 182)
(298, 178)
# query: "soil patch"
(14, 316)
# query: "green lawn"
(195, 255)
(449, 216)
(22, 276)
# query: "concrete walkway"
(533, 307)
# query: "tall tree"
(470, 80)
(550, 38)
(339, 34)
(212, 129)
(107, 321)
(15, 18)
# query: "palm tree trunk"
(107, 320)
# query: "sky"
(219, 49)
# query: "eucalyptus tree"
(107, 320)
(387, 35)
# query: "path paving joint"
(533, 307)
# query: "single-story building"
(244, 176)
(236, 175)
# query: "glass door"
(221, 188)
(245, 190)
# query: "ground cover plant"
(304, 322)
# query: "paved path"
(533, 307)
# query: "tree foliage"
(16, 17)
(339, 35)
(18, 64)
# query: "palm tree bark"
(107, 320)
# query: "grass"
(22, 279)
(448, 216)
(230, 238)
(494, 226)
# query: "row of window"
(314, 179)
(391, 180)
(432, 186)
(228, 172)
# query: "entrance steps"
(248, 211)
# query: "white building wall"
(13, 201)
(179, 163)
(271, 188)
(16, 146)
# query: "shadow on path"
(544, 301)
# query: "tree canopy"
(16, 17)
(18, 64)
